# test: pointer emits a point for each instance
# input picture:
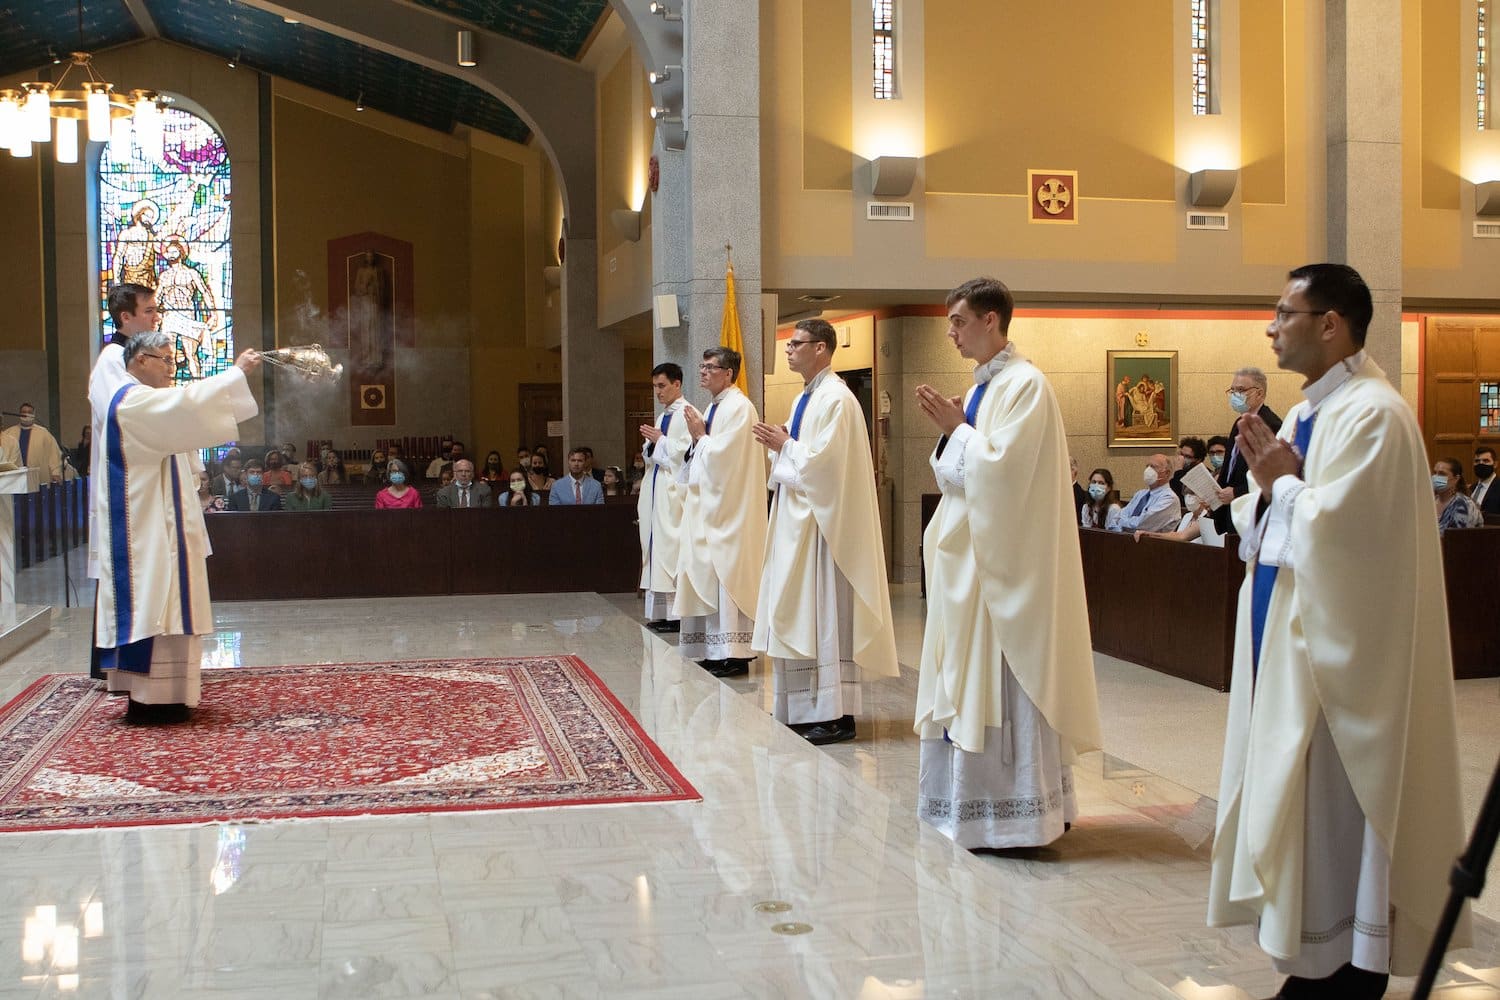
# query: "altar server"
(824, 612)
(1005, 695)
(724, 523)
(153, 595)
(1339, 810)
(660, 504)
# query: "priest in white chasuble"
(1339, 809)
(660, 504)
(824, 613)
(153, 596)
(1005, 695)
(723, 523)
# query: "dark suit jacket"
(1235, 472)
(1491, 502)
(1080, 497)
(268, 501)
(479, 495)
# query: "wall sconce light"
(664, 12)
(662, 75)
(893, 176)
(627, 223)
(466, 47)
(1211, 188)
(1487, 199)
(659, 113)
(359, 102)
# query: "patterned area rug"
(330, 740)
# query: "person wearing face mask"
(399, 495)
(1217, 453)
(278, 478)
(1454, 508)
(33, 444)
(309, 494)
(518, 493)
(1486, 491)
(1102, 508)
(256, 496)
(1191, 451)
(1246, 394)
(1154, 508)
(537, 479)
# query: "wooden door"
(640, 408)
(542, 411)
(1461, 365)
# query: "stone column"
(593, 361)
(1363, 39)
(709, 194)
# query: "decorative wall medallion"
(1143, 339)
(653, 173)
(1054, 195)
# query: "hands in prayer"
(773, 436)
(946, 412)
(694, 421)
(650, 433)
(1268, 456)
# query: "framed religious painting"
(1141, 399)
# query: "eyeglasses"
(709, 368)
(800, 343)
(161, 357)
(1241, 388)
(1283, 314)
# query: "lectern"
(19, 624)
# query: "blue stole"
(796, 427)
(972, 410)
(1263, 579)
(25, 444)
(708, 421)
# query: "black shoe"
(711, 665)
(731, 668)
(156, 715)
(835, 731)
(664, 627)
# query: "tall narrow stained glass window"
(1482, 73)
(1202, 56)
(884, 12)
(1489, 407)
(164, 223)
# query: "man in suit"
(1247, 394)
(1486, 491)
(1079, 496)
(577, 487)
(255, 498)
(464, 491)
(227, 482)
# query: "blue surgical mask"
(397, 478)
(253, 480)
(309, 482)
(1098, 491)
(1239, 402)
(1439, 483)
(1216, 461)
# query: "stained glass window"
(884, 12)
(1482, 84)
(1202, 67)
(1489, 407)
(164, 223)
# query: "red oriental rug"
(330, 740)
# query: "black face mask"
(1484, 470)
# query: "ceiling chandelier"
(34, 112)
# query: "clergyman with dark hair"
(659, 506)
(1339, 808)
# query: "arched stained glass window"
(164, 223)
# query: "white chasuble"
(152, 543)
(824, 599)
(1355, 636)
(723, 513)
(660, 510)
(1004, 571)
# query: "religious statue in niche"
(370, 311)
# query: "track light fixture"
(662, 75)
(466, 47)
(664, 12)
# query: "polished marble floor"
(659, 900)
